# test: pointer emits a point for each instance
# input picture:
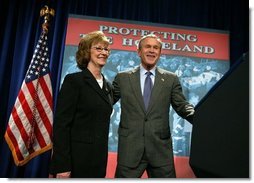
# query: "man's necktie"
(147, 89)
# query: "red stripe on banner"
(31, 90)
(46, 91)
(37, 132)
(21, 129)
(27, 111)
(14, 142)
(48, 96)
(39, 136)
(44, 117)
(25, 106)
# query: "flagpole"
(46, 13)
(29, 129)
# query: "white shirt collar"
(143, 70)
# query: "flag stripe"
(28, 88)
(46, 90)
(46, 112)
(25, 114)
(14, 144)
(18, 128)
(38, 134)
(19, 135)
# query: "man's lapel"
(136, 88)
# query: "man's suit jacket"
(147, 131)
(81, 126)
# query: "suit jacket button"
(145, 119)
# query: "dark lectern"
(220, 134)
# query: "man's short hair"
(149, 36)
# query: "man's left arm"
(179, 102)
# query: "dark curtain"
(21, 26)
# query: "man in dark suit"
(146, 95)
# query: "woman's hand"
(63, 175)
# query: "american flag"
(29, 130)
